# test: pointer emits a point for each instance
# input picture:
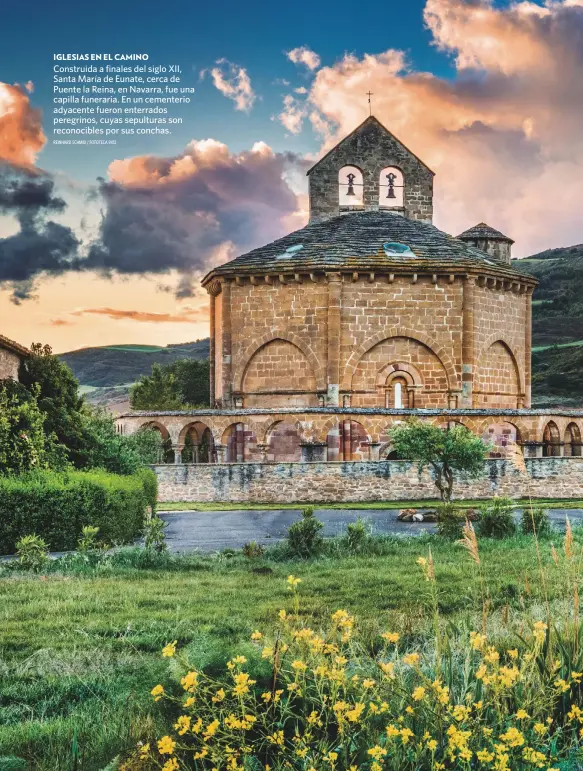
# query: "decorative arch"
(245, 359)
(166, 451)
(551, 440)
(369, 426)
(350, 442)
(391, 188)
(510, 346)
(350, 186)
(387, 334)
(283, 441)
(197, 442)
(240, 441)
(572, 447)
(157, 426)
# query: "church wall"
(280, 366)
(9, 364)
(371, 149)
(428, 313)
(499, 315)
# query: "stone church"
(323, 339)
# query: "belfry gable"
(370, 170)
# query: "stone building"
(11, 355)
(323, 339)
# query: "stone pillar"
(262, 451)
(468, 345)
(374, 450)
(177, 448)
(528, 347)
(227, 345)
(221, 450)
(313, 452)
(212, 348)
(334, 321)
(347, 440)
(334, 443)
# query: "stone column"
(178, 453)
(221, 453)
(528, 347)
(212, 348)
(334, 324)
(468, 343)
(347, 440)
(334, 443)
(227, 345)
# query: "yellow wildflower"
(513, 653)
(477, 641)
(331, 757)
(189, 701)
(431, 745)
(392, 731)
(242, 684)
(406, 734)
(411, 659)
(282, 615)
(276, 738)
(354, 714)
(256, 636)
(171, 765)
(513, 737)
(169, 650)
(157, 692)
(539, 728)
(409, 710)
(391, 637)
(561, 685)
(522, 714)
(418, 693)
(388, 669)
(293, 582)
(190, 681)
(211, 729)
(182, 724)
(368, 683)
(267, 653)
(166, 746)
(299, 666)
(219, 695)
(484, 756)
(377, 753)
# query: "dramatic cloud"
(187, 315)
(40, 244)
(234, 83)
(194, 210)
(21, 134)
(305, 56)
(504, 134)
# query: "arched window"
(391, 186)
(350, 186)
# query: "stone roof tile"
(482, 230)
(11, 345)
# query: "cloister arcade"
(359, 435)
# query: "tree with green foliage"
(181, 385)
(23, 443)
(445, 451)
(117, 453)
(57, 393)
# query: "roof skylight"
(395, 249)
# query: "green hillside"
(557, 326)
(117, 365)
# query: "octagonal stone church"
(321, 340)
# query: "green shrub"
(450, 521)
(253, 550)
(357, 536)
(57, 506)
(496, 519)
(88, 540)
(32, 552)
(154, 535)
(303, 537)
(535, 518)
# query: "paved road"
(211, 530)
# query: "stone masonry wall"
(360, 481)
(9, 364)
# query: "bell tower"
(371, 170)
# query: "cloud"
(21, 134)
(503, 133)
(304, 55)
(186, 316)
(40, 244)
(234, 83)
(192, 211)
(293, 114)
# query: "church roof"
(361, 127)
(355, 241)
(10, 345)
(481, 230)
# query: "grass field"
(79, 653)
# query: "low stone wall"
(360, 481)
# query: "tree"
(23, 444)
(57, 393)
(180, 385)
(445, 451)
(117, 453)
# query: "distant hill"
(122, 365)
(557, 326)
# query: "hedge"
(57, 506)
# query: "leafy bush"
(303, 537)
(154, 535)
(535, 518)
(32, 552)
(496, 519)
(253, 550)
(88, 540)
(23, 442)
(357, 536)
(450, 521)
(117, 453)
(57, 506)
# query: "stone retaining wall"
(360, 481)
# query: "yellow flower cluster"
(328, 702)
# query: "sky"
(106, 244)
